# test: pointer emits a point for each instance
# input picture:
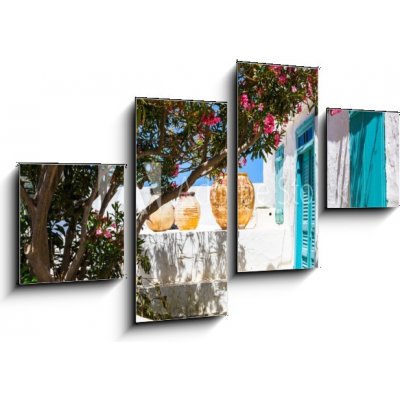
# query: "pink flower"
(277, 139)
(294, 89)
(99, 232)
(269, 124)
(299, 108)
(210, 119)
(260, 107)
(242, 162)
(114, 225)
(107, 234)
(282, 79)
(276, 69)
(244, 102)
(335, 111)
(175, 172)
(244, 99)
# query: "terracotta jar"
(219, 200)
(187, 211)
(245, 199)
(162, 219)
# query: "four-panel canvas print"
(277, 158)
(71, 222)
(362, 158)
(181, 209)
(71, 216)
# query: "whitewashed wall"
(392, 158)
(338, 159)
(189, 266)
(273, 247)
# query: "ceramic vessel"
(187, 211)
(245, 200)
(162, 219)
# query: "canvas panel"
(181, 209)
(362, 158)
(71, 222)
(277, 161)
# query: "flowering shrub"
(335, 111)
(105, 247)
(268, 96)
(178, 137)
(61, 237)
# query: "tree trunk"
(37, 252)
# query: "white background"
(69, 75)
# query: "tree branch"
(74, 267)
(203, 169)
(68, 246)
(148, 153)
(27, 200)
(37, 251)
(115, 184)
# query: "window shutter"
(279, 185)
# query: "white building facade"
(271, 241)
(350, 157)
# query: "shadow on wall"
(190, 300)
(241, 258)
(129, 150)
(338, 160)
(186, 257)
(189, 268)
(230, 84)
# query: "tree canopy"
(63, 238)
(268, 97)
(177, 136)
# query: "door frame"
(300, 150)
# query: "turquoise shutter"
(367, 159)
(279, 186)
(305, 197)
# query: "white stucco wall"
(273, 247)
(189, 267)
(338, 159)
(392, 158)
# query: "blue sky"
(253, 168)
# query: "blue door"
(305, 196)
(367, 159)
